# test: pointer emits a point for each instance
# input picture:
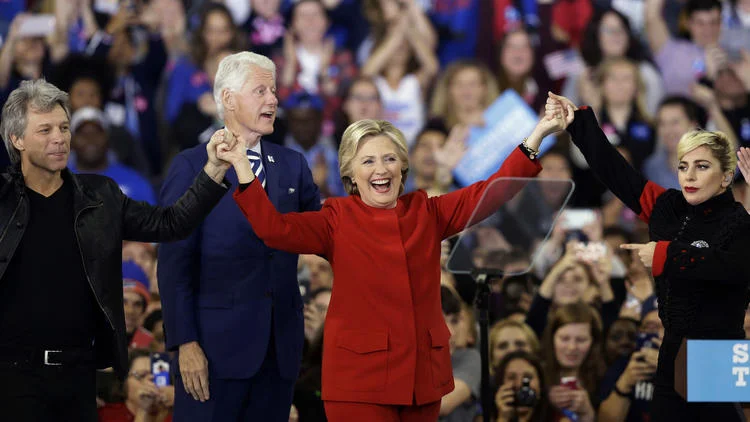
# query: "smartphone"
(591, 251)
(578, 218)
(37, 26)
(645, 340)
(570, 382)
(160, 369)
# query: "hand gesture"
(553, 120)
(568, 107)
(15, 25)
(561, 397)
(451, 153)
(638, 369)
(704, 96)
(743, 162)
(645, 251)
(313, 321)
(290, 48)
(219, 137)
(320, 171)
(194, 370)
(716, 60)
(581, 403)
(504, 401)
(148, 394)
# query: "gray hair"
(234, 71)
(39, 96)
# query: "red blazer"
(385, 337)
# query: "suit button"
(19, 224)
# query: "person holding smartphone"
(698, 249)
(628, 386)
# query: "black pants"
(47, 394)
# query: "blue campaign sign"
(718, 370)
(507, 121)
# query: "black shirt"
(45, 298)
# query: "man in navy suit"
(232, 306)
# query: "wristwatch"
(620, 392)
(532, 153)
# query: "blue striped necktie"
(257, 164)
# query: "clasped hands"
(224, 150)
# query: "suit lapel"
(272, 173)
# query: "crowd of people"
(578, 338)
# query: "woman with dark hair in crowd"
(522, 396)
(143, 400)
(609, 36)
(573, 364)
(385, 252)
(188, 81)
(360, 99)
(698, 250)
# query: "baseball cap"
(88, 114)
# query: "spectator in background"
(507, 336)
(88, 80)
(310, 61)
(187, 78)
(144, 401)
(90, 143)
(384, 15)
(684, 62)
(315, 312)
(460, 404)
(619, 100)
(572, 279)
(513, 372)
(619, 340)
(404, 66)
(23, 57)
(136, 296)
(516, 59)
(144, 255)
(319, 272)
(571, 346)
(154, 323)
(434, 156)
(304, 115)
(307, 390)
(676, 116)
(608, 36)
(463, 93)
(196, 122)
(628, 386)
(266, 27)
(360, 100)
(138, 56)
(732, 89)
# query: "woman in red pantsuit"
(385, 354)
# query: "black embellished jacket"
(702, 259)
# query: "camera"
(525, 396)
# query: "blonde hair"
(605, 68)
(444, 106)
(722, 147)
(499, 326)
(362, 130)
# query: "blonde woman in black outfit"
(700, 238)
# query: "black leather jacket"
(104, 217)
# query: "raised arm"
(455, 209)
(656, 29)
(608, 165)
(301, 233)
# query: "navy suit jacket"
(221, 286)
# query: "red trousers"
(342, 411)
